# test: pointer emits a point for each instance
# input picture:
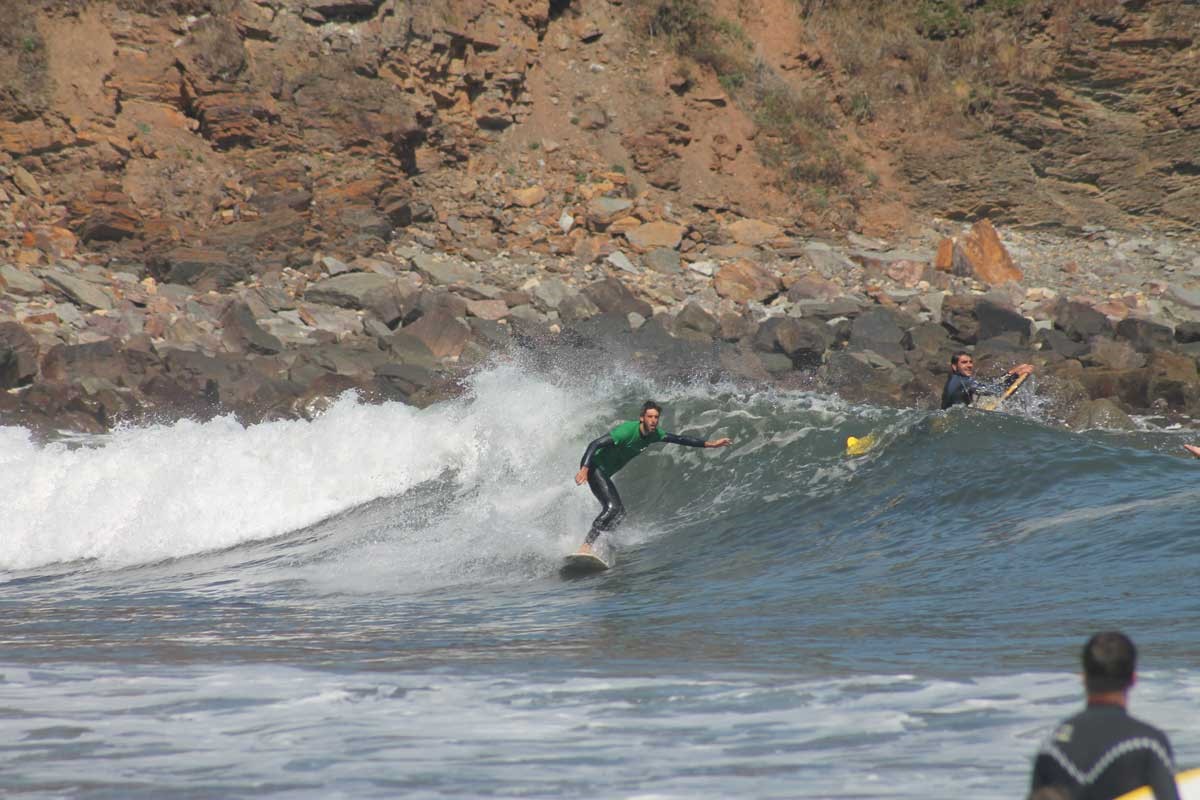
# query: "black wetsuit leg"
(612, 511)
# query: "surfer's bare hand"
(1021, 369)
(581, 476)
(723, 442)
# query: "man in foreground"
(962, 387)
(606, 455)
(1102, 752)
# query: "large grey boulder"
(996, 320)
(18, 356)
(1145, 335)
(1080, 321)
(803, 341)
(241, 332)
(107, 359)
(389, 299)
(958, 318)
(444, 334)
(404, 348)
(613, 297)
(80, 292)
(576, 308)
(1101, 414)
(877, 330)
(1055, 341)
(548, 294)
(198, 266)
(444, 270)
(18, 281)
(693, 321)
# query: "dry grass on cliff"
(934, 62)
(797, 123)
(24, 80)
(886, 66)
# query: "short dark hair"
(957, 355)
(650, 404)
(1109, 660)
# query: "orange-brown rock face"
(981, 255)
(150, 123)
(276, 128)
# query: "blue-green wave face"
(372, 600)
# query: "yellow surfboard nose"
(857, 446)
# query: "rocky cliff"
(216, 137)
(256, 203)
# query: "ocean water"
(368, 605)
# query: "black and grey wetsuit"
(605, 455)
(1102, 753)
(961, 389)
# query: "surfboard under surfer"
(607, 454)
(962, 386)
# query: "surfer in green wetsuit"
(606, 455)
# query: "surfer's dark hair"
(650, 404)
(956, 356)
(1109, 660)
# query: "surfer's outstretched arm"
(585, 463)
(692, 441)
(1193, 449)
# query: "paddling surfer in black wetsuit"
(1102, 752)
(961, 386)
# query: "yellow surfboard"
(859, 445)
(992, 403)
(1188, 782)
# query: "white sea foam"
(381, 734)
(147, 494)
(139, 495)
(504, 456)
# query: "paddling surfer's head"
(651, 414)
(1109, 662)
(962, 363)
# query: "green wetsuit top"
(619, 446)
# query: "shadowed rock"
(444, 334)
(242, 333)
(389, 299)
(804, 342)
(404, 380)
(613, 297)
(199, 267)
(958, 318)
(877, 330)
(693, 321)
(1080, 321)
(1129, 386)
(996, 320)
(18, 356)
(1101, 414)
(1112, 354)
(79, 292)
(1145, 335)
(1060, 343)
(105, 359)
(1173, 380)
(444, 271)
